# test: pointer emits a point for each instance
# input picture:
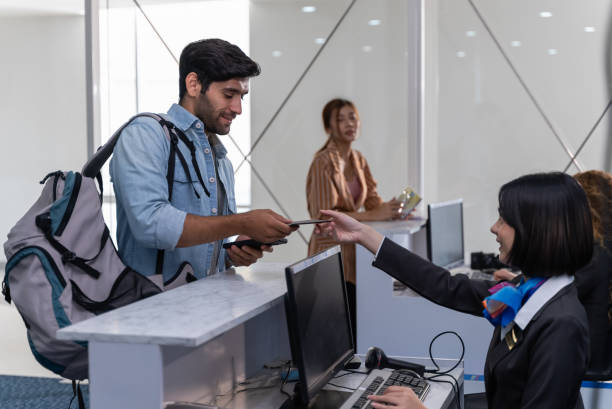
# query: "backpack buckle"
(43, 221)
(68, 257)
(6, 291)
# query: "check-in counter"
(204, 342)
(188, 344)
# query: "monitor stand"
(325, 399)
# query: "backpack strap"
(76, 392)
(94, 164)
(174, 150)
(43, 221)
(173, 134)
(194, 162)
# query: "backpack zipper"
(5, 285)
(71, 204)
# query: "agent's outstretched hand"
(345, 229)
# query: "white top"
(189, 315)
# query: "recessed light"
(545, 14)
(276, 53)
(319, 40)
(552, 51)
(461, 54)
(470, 33)
(366, 48)
(515, 43)
(589, 29)
(309, 9)
(374, 22)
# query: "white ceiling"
(71, 7)
(40, 7)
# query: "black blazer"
(592, 282)
(543, 370)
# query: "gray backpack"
(62, 266)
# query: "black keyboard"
(381, 382)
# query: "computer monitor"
(445, 233)
(318, 321)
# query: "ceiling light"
(589, 29)
(545, 14)
(366, 48)
(276, 53)
(470, 33)
(461, 54)
(515, 43)
(552, 51)
(374, 22)
(309, 9)
(319, 40)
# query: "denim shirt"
(146, 220)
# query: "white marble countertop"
(411, 225)
(189, 315)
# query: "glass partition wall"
(455, 97)
(513, 87)
(309, 53)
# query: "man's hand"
(399, 397)
(265, 225)
(262, 225)
(245, 255)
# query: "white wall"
(42, 107)
(42, 112)
(483, 130)
(370, 65)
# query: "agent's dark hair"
(332, 108)
(214, 60)
(549, 212)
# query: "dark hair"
(214, 60)
(328, 110)
(549, 212)
(598, 188)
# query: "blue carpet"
(25, 392)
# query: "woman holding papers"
(340, 179)
(539, 350)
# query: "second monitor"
(445, 234)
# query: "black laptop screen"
(318, 319)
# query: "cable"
(438, 374)
(437, 370)
(284, 381)
(349, 372)
(340, 386)
(454, 385)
